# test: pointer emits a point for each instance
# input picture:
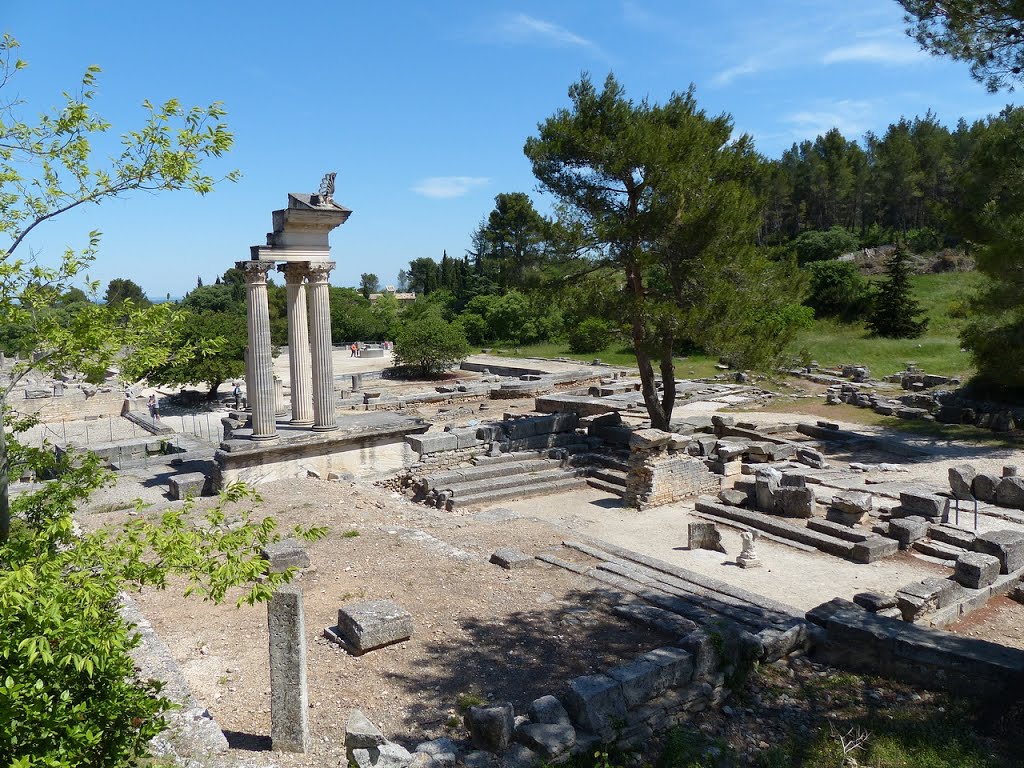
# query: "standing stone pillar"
(298, 342)
(260, 386)
(280, 409)
(289, 723)
(324, 418)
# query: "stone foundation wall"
(73, 405)
(662, 472)
(868, 642)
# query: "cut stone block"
(873, 549)
(961, 478)
(1010, 492)
(186, 485)
(811, 458)
(285, 554)
(923, 504)
(360, 733)
(795, 502)
(984, 487)
(920, 598)
(874, 601)
(371, 624)
(387, 755)
(908, 530)
(976, 570)
(641, 681)
(704, 536)
(767, 481)
(1006, 545)
(547, 739)
(511, 558)
(849, 507)
(733, 497)
(548, 710)
(491, 727)
(596, 703)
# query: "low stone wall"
(661, 471)
(868, 642)
(73, 405)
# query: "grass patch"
(937, 351)
(466, 700)
(692, 366)
(932, 430)
(350, 534)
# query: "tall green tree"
(514, 237)
(988, 34)
(219, 340)
(662, 193)
(121, 289)
(991, 217)
(368, 283)
(895, 313)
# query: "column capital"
(255, 272)
(319, 271)
(294, 271)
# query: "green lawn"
(937, 351)
(831, 343)
(693, 366)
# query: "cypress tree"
(895, 313)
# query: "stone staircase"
(491, 480)
(667, 597)
(606, 470)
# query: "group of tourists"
(356, 349)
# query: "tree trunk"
(668, 385)
(214, 386)
(648, 386)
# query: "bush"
(474, 327)
(429, 345)
(924, 240)
(819, 245)
(591, 335)
(838, 290)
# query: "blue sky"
(423, 108)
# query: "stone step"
(524, 491)
(484, 461)
(938, 549)
(838, 530)
(511, 481)
(605, 460)
(444, 480)
(875, 548)
(615, 490)
(610, 476)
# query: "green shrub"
(838, 290)
(924, 240)
(429, 345)
(474, 327)
(818, 245)
(591, 335)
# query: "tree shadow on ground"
(248, 742)
(530, 652)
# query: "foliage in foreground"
(69, 694)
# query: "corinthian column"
(260, 385)
(298, 342)
(324, 418)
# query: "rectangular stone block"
(908, 530)
(289, 726)
(923, 504)
(641, 681)
(873, 549)
(183, 486)
(976, 570)
(596, 703)
(466, 437)
(675, 663)
(285, 554)
(432, 443)
(371, 624)
(1006, 545)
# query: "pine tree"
(895, 311)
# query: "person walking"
(154, 408)
(237, 392)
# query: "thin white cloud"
(442, 187)
(851, 116)
(528, 29)
(877, 52)
(726, 76)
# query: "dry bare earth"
(503, 635)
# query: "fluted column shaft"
(260, 385)
(298, 343)
(324, 418)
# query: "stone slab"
(285, 554)
(371, 624)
